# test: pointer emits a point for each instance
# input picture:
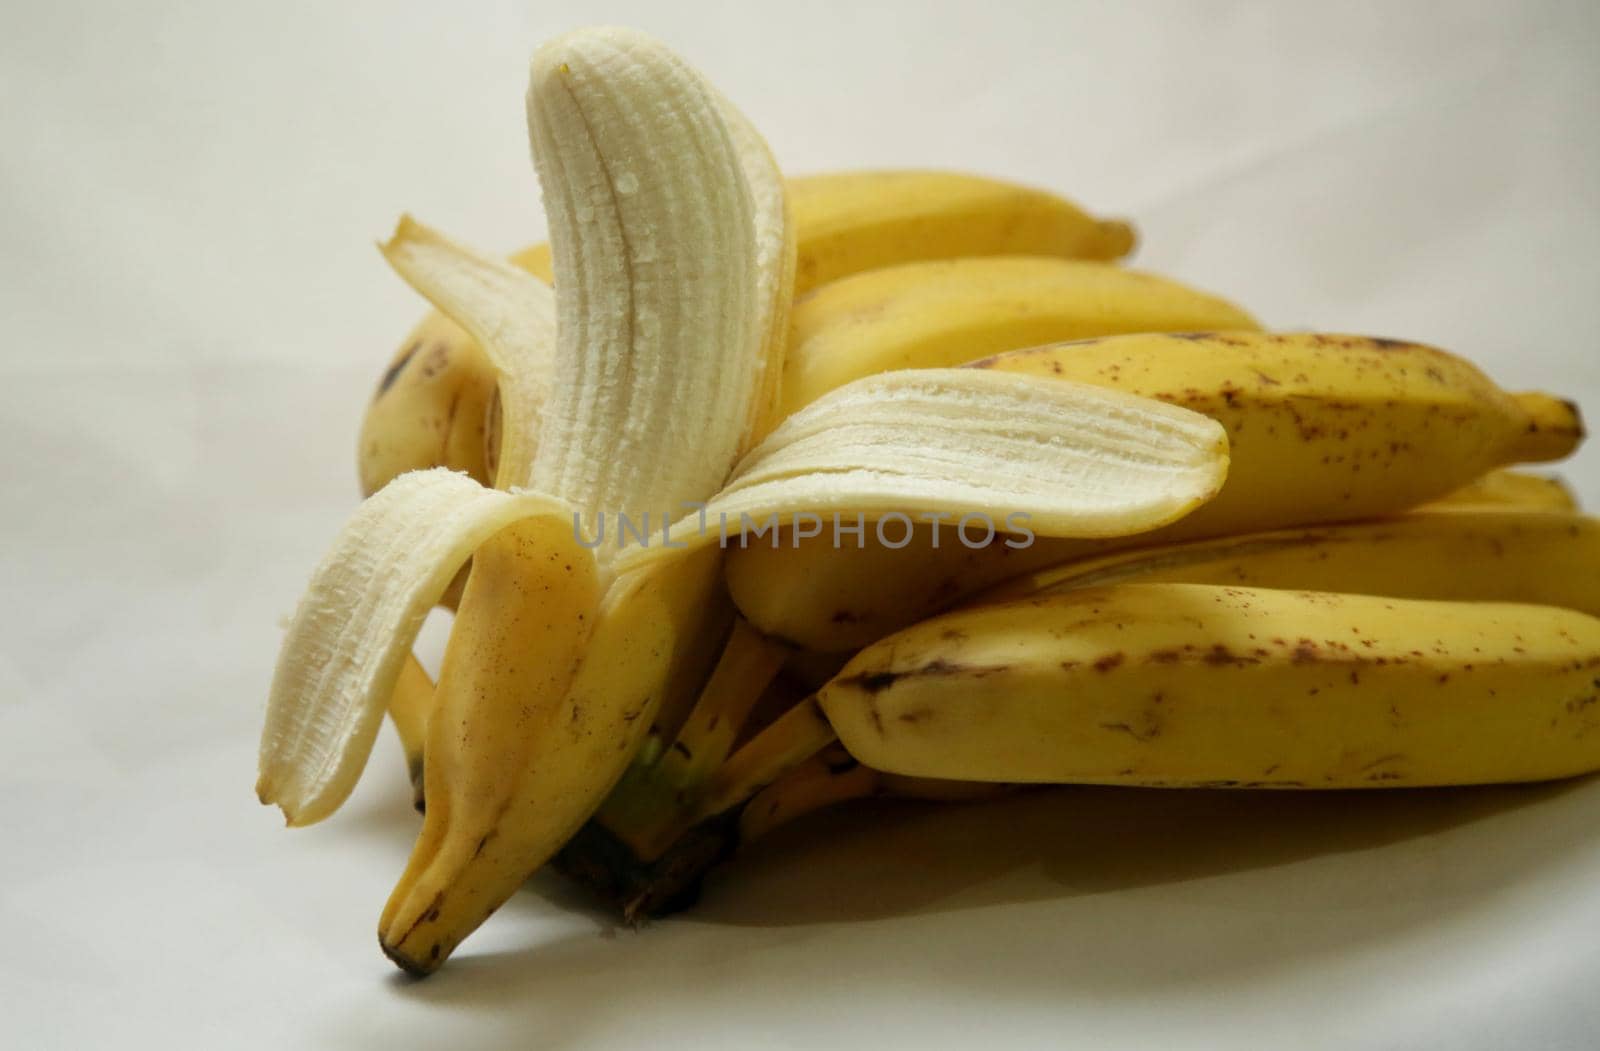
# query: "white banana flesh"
(660, 317)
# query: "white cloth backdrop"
(194, 316)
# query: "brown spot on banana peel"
(1221, 656)
(396, 367)
(437, 361)
(1555, 428)
(872, 683)
(841, 764)
(448, 425)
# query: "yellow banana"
(1538, 557)
(1191, 685)
(1321, 429)
(850, 222)
(1512, 489)
(949, 312)
(522, 632)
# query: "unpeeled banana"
(850, 222)
(1541, 557)
(1207, 686)
(1512, 489)
(1322, 428)
(950, 312)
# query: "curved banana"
(1522, 490)
(1169, 685)
(950, 312)
(849, 222)
(1321, 428)
(1538, 557)
(1348, 426)
(522, 633)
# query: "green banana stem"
(651, 870)
(662, 791)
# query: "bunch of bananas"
(752, 495)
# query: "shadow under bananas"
(1051, 896)
(885, 858)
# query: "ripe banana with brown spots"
(1546, 558)
(1188, 685)
(1512, 490)
(1322, 428)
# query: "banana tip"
(1555, 427)
(1121, 238)
(405, 961)
(405, 228)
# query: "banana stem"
(833, 776)
(663, 787)
(409, 707)
(743, 673)
(661, 873)
(826, 779)
(796, 736)
(690, 675)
